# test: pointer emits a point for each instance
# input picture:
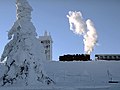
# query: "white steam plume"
(77, 24)
(87, 30)
(90, 38)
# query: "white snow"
(90, 73)
(26, 68)
(24, 53)
(82, 75)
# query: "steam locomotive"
(75, 57)
(86, 57)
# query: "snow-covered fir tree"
(24, 53)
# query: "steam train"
(86, 57)
(108, 57)
(75, 57)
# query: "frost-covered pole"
(24, 54)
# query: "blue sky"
(50, 15)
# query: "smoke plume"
(77, 24)
(86, 29)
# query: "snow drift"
(89, 75)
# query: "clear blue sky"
(50, 15)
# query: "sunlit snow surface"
(90, 75)
(23, 53)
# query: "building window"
(47, 46)
(45, 51)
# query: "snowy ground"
(90, 75)
(63, 88)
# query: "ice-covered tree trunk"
(24, 54)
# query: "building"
(107, 57)
(46, 40)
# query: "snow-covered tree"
(24, 53)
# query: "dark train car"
(75, 57)
(108, 57)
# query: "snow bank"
(90, 73)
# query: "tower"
(46, 40)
